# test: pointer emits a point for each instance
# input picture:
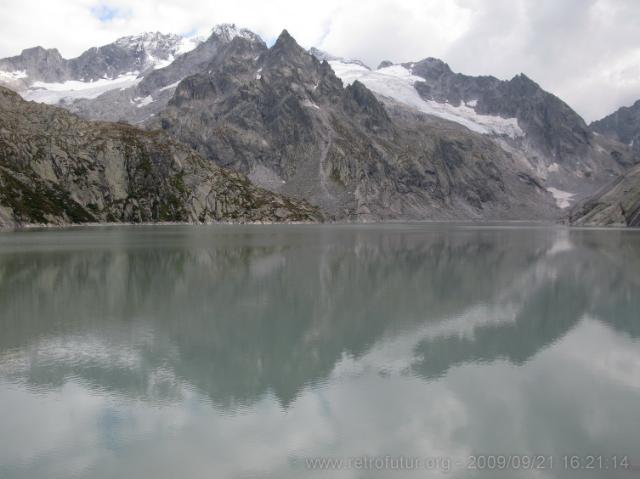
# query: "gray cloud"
(585, 51)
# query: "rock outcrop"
(616, 205)
(623, 125)
(56, 168)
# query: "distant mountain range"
(408, 141)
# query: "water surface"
(252, 351)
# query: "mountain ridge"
(56, 168)
(404, 141)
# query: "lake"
(337, 351)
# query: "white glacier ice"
(397, 82)
(52, 93)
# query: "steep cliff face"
(622, 125)
(533, 125)
(57, 169)
(615, 205)
(284, 118)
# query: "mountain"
(623, 125)
(56, 168)
(403, 141)
(285, 119)
(537, 128)
(44, 69)
(44, 76)
(154, 88)
(616, 205)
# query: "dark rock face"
(551, 124)
(557, 138)
(622, 125)
(283, 117)
(57, 169)
(617, 205)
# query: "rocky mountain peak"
(622, 125)
(228, 31)
(40, 53)
(285, 42)
(429, 68)
(359, 100)
(288, 58)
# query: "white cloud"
(585, 51)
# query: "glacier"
(397, 82)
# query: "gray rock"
(56, 168)
(557, 142)
(281, 113)
(159, 85)
(623, 125)
(617, 204)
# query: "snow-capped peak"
(397, 83)
(228, 31)
(160, 48)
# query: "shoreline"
(469, 223)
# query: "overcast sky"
(585, 51)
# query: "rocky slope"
(56, 168)
(616, 205)
(152, 92)
(622, 125)
(532, 124)
(283, 117)
(403, 141)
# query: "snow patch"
(397, 82)
(230, 31)
(158, 63)
(188, 44)
(173, 85)
(142, 101)
(563, 198)
(310, 104)
(15, 75)
(53, 93)
(472, 103)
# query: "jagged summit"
(228, 31)
(40, 51)
(429, 68)
(361, 143)
(285, 40)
